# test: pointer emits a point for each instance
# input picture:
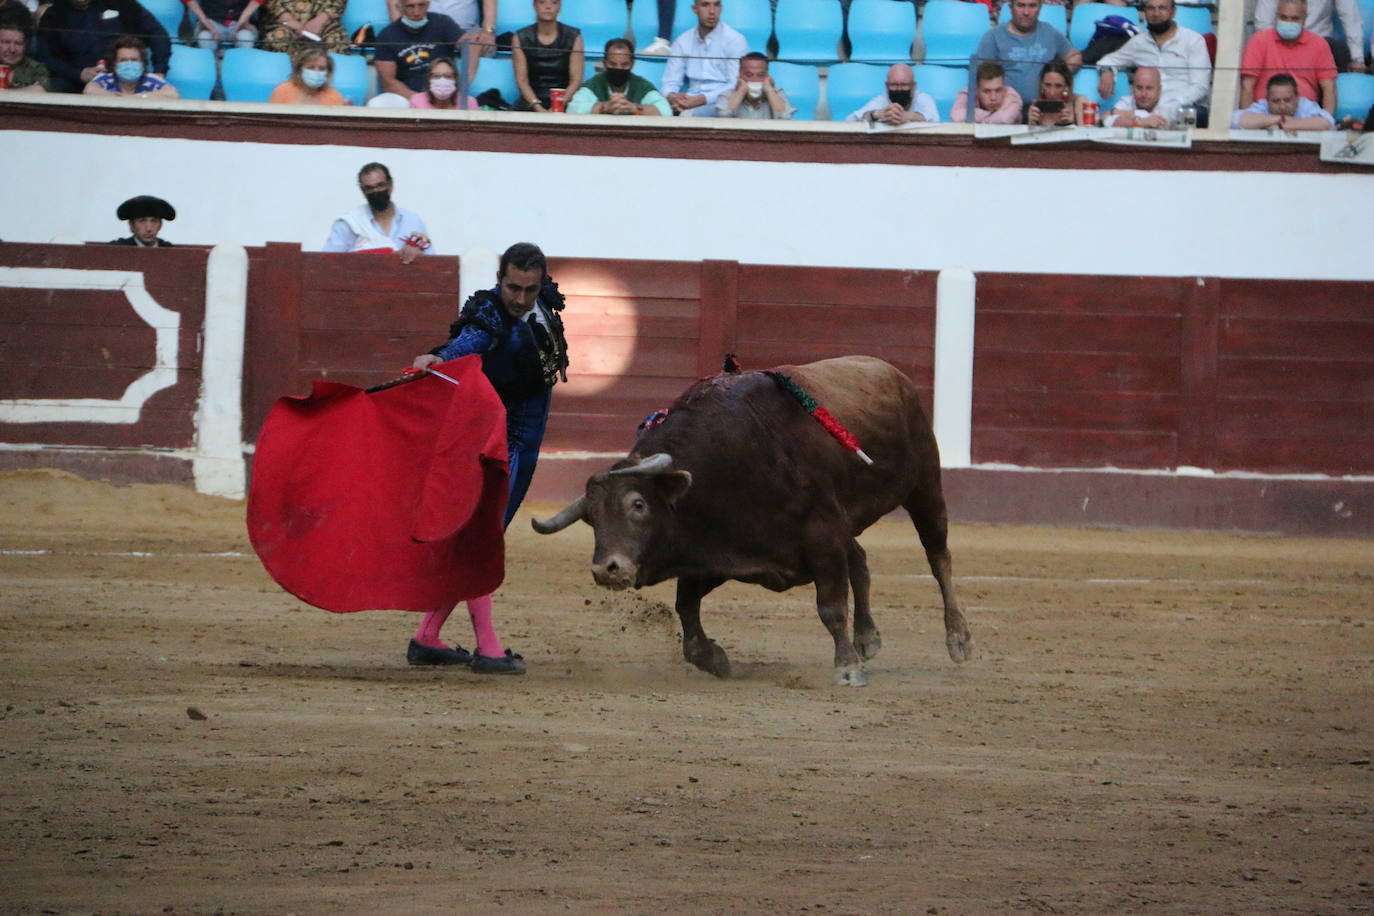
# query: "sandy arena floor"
(1157, 722)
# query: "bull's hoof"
(960, 645)
(851, 676)
(868, 644)
(711, 659)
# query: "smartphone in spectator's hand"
(1050, 106)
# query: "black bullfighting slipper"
(419, 654)
(510, 663)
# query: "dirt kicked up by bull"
(763, 477)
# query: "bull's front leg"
(696, 647)
(830, 568)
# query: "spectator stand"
(802, 83)
(193, 71)
(352, 77)
(751, 18)
(1086, 15)
(250, 74)
(644, 21)
(1085, 84)
(941, 83)
(1354, 95)
(360, 14)
(848, 86)
(1197, 18)
(809, 31)
(171, 13)
(598, 20)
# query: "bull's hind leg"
(926, 506)
(866, 638)
(829, 564)
(696, 647)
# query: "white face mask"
(441, 87)
(755, 89)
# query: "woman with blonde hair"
(311, 71)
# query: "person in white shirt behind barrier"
(900, 103)
(703, 63)
(1142, 108)
(379, 224)
(1283, 109)
(1179, 54)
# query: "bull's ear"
(674, 484)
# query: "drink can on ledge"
(558, 99)
(4, 76)
(1089, 114)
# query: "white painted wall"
(1169, 223)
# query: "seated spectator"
(547, 55)
(900, 103)
(379, 225)
(1143, 107)
(618, 90)
(998, 103)
(1283, 109)
(407, 47)
(1056, 104)
(1348, 55)
(703, 63)
(311, 71)
(129, 55)
(1179, 54)
(74, 36)
(755, 95)
(441, 90)
(24, 72)
(1021, 46)
(1289, 48)
(145, 214)
(476, 21)
(290, 25)
(226, 22)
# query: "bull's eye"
(639, 505)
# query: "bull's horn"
(574, 511)
(661, 463)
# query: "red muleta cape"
(390, 499)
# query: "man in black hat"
(145, 215)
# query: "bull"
(739, 482)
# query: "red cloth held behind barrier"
(392, 499)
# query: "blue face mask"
(129, 71)
(1288, 31)
(415, 23)
(314, 78)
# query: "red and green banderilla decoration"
(819, 413)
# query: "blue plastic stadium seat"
(802, 83)
(1085, 84)
(250, 74)
(1354, 95)
(942, 84)
(1197, 18)
(644, 19)
(599, 20)
(881, 30)
(849, 86)
(1085, 16)
(651, 68)
(809, 30)
(751, 18)
(1055, 15)
(496, 73)
(359, 13)
(192, 71)
(351, 77)
(168, 12)
(952, 30)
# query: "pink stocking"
(428, 633)
(488, 643)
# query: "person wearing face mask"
(74, 37)
(129, 55)
(755, 95)
(1289, 48)
(618, 90)
(379, 225)
(407, 48)
(311, 71)
(998, 103)
(442, 90)
(291, 25)
(1180, 55)
(900, 104)
(144, 215)
(1348, 54)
